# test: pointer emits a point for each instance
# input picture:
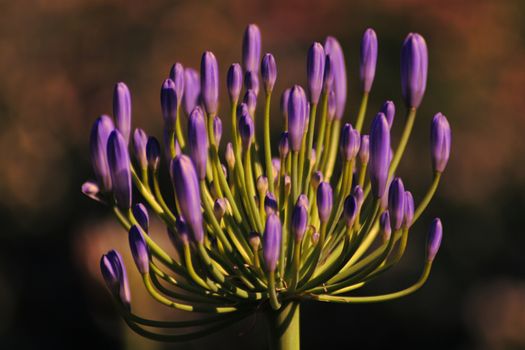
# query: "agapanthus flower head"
(414, 67)
(440, 139)
(379, 154)
(251, 48)
(268, 72)
(192, 90)
(119, 168)
(140, 140)
(139, 249)
(368, 59)
(122, 109)
(169, 101)
(333, 48)
(100, 132)
(234, 82)
(271, 242)
(210, 83)
(389, 110)
(140, 213)
(434, 239)
(315, 71)
(198, 141)
(177, 76)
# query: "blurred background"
(59, 60)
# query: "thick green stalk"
(284, 327)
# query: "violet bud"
(139, 250)
(122, 109)
(198, 141)
(414, 66)
(251, 82)
(379, 154)
(440, 139)
(217, 130)
(384, 196)
(268, 72)
(246, 130)
(328, 76)
(303, 200)
(140, 140)
(187, 192)
(192, 90)
(98, 141)
(284, 102)
(168, 103)
(270, 204)
(349, 142)
(333, 48)
(296, 117)
(332, 106)
(210, 82)
(317, 178)
(315, 71)
(351, 208)
(396, 203)
(299, 221)
(115, 276)
(119, 168)
(408, 216)
(262, 184)
(272, 242)
(177, 75)
(364, 150)
(284, 145)
(229, 155)
(276, 167)
(358, 195)
(140, 213)
(367, 68)
(251, 48)
(434, 239)
(219, 208)
(389, 110)
(250, 101)
(324, 201)
(91, 190)
(384, 226)
(153, 153)
(234, 82)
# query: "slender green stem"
(362, 111)
(428, 196)
(403, 142)
(267, 144)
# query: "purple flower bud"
(299, 221)
(351, 208)
(384, 196)
(350, 141)
(219, 208)
(328, 76)
(440, 138)
(141, 215)
(384, 226)
(364, 150)
(284, 145)
(324, 201)
(217, 130)
(139, 143)
(408, 216)
(119, 168)
(379, 154)
(368, 59)
(246, 130)
(122, 109)
(229, 155)
(317, 178)
(268, 72)
(115, 276)
(153, 152)
(270, 204)
(303, 200)
(177, 75)
(396, 203)
(98, 141)
(276, 166)
(284, 102)
(250, 101)
(414, 66)
(251, 82)
(333, 48)
(210, 82)
(262, 184)
(251, 48)
(332, 106)
(315, 71)
(187, 192)
(139, 250)
(389, 110)
(272, 242)
(296, 117)
(434, 239)
(168, 102)
(198, 141)
(192, 90)
(234, 82)
(358, 195)
(91, 190)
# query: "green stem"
(267, 148)
(403, 142)
(362, 112)
(285, 327)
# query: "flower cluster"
(319, 221)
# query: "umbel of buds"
(254, 230)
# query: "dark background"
(59, 60)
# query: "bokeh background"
(59, 60)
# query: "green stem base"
(284, 328)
